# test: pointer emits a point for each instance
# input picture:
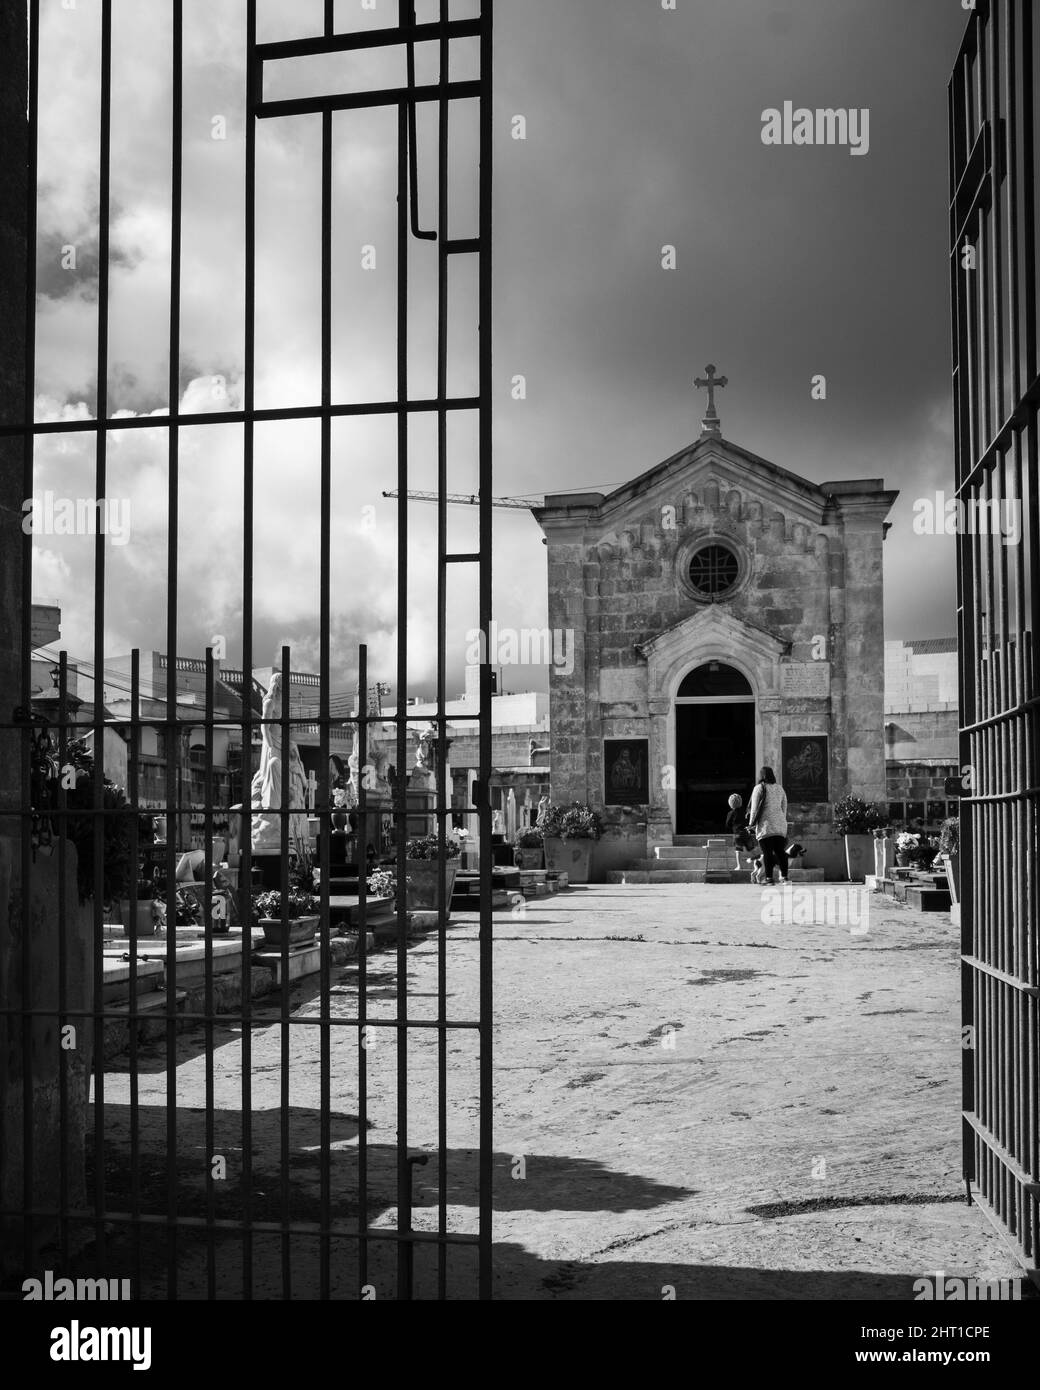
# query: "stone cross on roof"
(711, 423)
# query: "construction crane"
(470, 499)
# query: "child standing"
(735, 825)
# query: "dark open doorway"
(715, 747)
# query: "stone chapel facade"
(724, 613)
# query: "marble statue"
(376, 776)
(424, 752)
(266, 790)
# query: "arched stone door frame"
(712, 636)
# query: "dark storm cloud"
(644, 129)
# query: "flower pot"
(146, 923)
(423, 883)
(529, 858)
(571, 857)
(859, 856)
(299, 928)
(902, 859)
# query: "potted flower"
(950, 854)
(302, 920)
(527, 844)
(856, 819)
(424, 871)
(906, 848)
(884, 851)
(568, 836)
(382, 883)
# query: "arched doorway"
(714, 744)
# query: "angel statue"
(266, 790)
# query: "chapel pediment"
(717, 623)
(711, 477)
(714, 474)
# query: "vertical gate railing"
(994, 116)
(125, 1214)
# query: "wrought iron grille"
(714, 570)
(149, 1212)
(994, 117)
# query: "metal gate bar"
(173, 791)
(100, 486)
(25, 693)
(137, 1222)
(993, 118)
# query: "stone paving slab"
(691, 1093)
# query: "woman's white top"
(774, 816)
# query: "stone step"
(928, 899)
(641, 876)
(679, 851)
(927, 879)
(689, 863)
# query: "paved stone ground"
(690, 1095)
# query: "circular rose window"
(714, 570)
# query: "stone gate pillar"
(13, 242)
(659, 828)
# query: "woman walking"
(767, 817)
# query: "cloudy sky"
(643, 130)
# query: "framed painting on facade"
(626, 771)
(804, 765)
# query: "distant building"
(921, 727)
(520, 750)
(722, 613)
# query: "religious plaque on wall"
(805, 762)
(626, 771)
(805, 680)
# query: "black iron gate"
(994, 117)
(228, 1197)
